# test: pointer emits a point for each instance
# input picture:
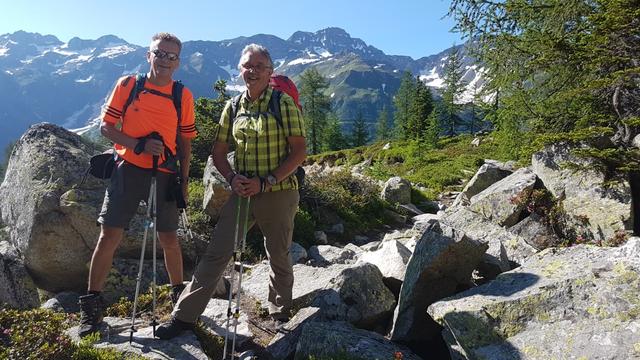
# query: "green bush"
(353, 200)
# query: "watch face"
(271, 179)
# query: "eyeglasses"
(256, 68)
(161, 54)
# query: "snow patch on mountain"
(196, 60)
(231, 70)
(115, 51)
(236, 88)
(84, 80)
(303, 61)
(4, 51)
(322, 52)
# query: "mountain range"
(45, 79)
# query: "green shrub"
(303, 231)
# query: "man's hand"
(244, 186)
(154, 147)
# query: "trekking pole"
(149, 222)
(237, 256)
(154, 183)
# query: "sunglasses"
(161, 54)
(256, 68)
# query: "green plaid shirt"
(260, 142)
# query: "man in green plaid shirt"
(267, 155)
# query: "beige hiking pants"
(273, 212)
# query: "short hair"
(255, 48)
(164, 36)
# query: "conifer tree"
(359, 133)
(316, 105)
(333, 137)
(383, 128)
(207, 115)
(432, 131)
(419, 111)
(453, 88)
(402, 102)
(558, 66)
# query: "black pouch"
(174, 193)
(102, 165)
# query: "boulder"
(284, 342)
(536, 232)
(297, 253)
(488, 174)
(328, 254)
(52, 211)
(326, 340)
(46, 162)
(216, 189)
(443, 260)
(66, 301)
(396, 191)
(596, 211)
(498, 202)
(114, 334)
(578, 302)
(214, 318)
(308, 282)
(504, 246)
(18, 290)
(357, 295)
(391, 258)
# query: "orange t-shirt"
(146, 114)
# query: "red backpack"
(284, 84)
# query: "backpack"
(280, 84)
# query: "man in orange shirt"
(152, 111)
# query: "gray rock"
(284, 342)
(573, 303)
(52, 215)
(45, 163)
(496, 202)
(216, 189)
(329, 339)
(596, 211)
(328, 254)
(443, 260)
(66, 301)
(396, 191)
(536, 232)
(214, 318)
(391, 258)
(297, 253)
(308, 282)
(115, 335)
(504, 246)
(357, 295)
(488, 174)
(19, 291)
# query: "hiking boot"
(172, 329)
(91, 308)
(176, 290)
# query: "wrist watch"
(272, 179)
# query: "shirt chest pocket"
(255, 125)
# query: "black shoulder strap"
(274, 106)
(235, 102)
(176, 94)
(140, 81)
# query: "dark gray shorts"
(129, 185)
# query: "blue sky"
(413, 27)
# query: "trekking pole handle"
(156, 136)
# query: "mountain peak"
(28, 38)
